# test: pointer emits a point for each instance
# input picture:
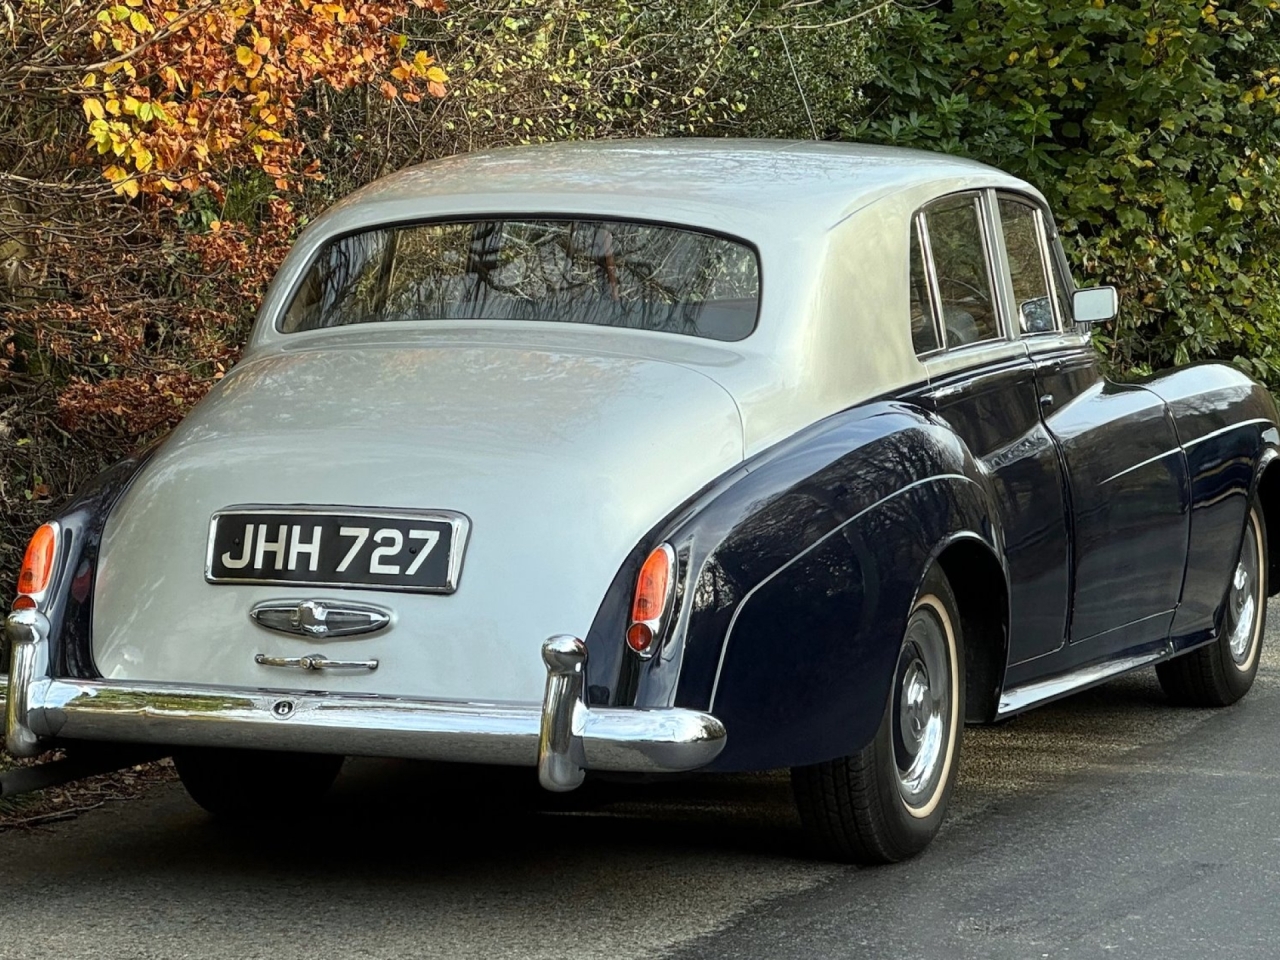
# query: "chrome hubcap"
(1242, 602)
(922, 707)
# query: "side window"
(924, 329)
(960, 263)
(1023, 235)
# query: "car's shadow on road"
(400, 816)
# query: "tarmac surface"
(1107, 825)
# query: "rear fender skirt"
(1226, 424)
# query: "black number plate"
(338, 547)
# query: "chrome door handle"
(314, 661)
(1046, 400)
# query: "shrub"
(1152, 126)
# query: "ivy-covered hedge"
(1153, 127)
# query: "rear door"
(1126, 474)
(983, 384)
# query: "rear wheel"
(255, 784)
(1220, 673)
(886, 802)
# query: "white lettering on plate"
(311, 549)
(266, 546)
(432, 537)
(361, 534)
(392, 540)
(242, 561)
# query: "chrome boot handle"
(314, 661)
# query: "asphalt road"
(1109, 825)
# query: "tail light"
(37, 567)
(654, 589)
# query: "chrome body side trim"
(1037, 692)
(562, 736)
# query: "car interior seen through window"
(960, 265)
(609, 273)
(1022, 231)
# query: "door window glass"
(1031, 298)
(960, 262)
(924, 331)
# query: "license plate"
(368, 549)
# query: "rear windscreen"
(610, 273)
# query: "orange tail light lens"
(653, 593)
(37, 564)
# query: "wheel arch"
(1268, 495)
(981, 589)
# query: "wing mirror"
(1096, 305)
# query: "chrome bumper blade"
(562, 736)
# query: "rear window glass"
(609, 273)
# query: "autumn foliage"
(185, 89)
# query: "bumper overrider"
(562, 736)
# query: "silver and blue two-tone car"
(654, 457)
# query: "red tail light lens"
(653, 595)
(37, 567)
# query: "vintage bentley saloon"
(642, 458)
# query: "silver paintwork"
(564, 443)
(314, 661)
(599, 738)
(459, 523)
(320, 619)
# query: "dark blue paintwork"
(1115, 511)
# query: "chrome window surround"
(561, 736)
(1046, 254)
(996, 272)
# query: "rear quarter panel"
(802, 567)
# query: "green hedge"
(1153, 128)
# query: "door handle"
(1046, 400)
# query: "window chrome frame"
(1046, 268)
(920, 226)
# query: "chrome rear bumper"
(562, 736)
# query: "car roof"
(820, 181)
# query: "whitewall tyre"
(886, 802)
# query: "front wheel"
(255, 784)
(1220, 673)
(886, 802)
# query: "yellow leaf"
(1078, 84)
(116, 173)
(139, 22)
(113, 107)
(244, 56)
(436, 75)
(90, 79)
(142, 157)
(129, 188)
(128, 68)
(92, 109)
(1236, 202)
(130, 104)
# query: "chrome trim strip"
(314, 661)
(637, 740)
(728, 634)
(1227, 429)
(1042, 691)
(1139, 466)
(319, 619)
(459, 522)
